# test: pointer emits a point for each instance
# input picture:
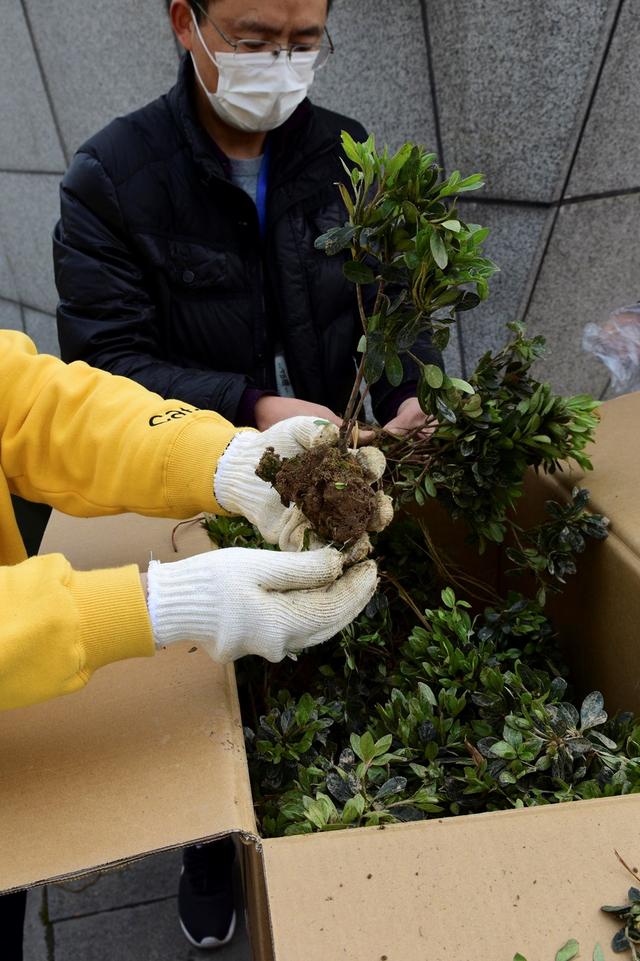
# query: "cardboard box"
(150, 756)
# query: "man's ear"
(182, 22)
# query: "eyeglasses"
(322, 50)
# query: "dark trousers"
(32, 520)
(12, 908)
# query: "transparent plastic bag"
(616, 342)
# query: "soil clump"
(328, 485)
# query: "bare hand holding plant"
(411, 418)
(271, 410)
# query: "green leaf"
(439, 250)
(362, 344)
(397, 162)
(478, 233)
(503, 750)
(395, 785)
(448, 598)
(336, 240)
(374, 357)
(434, 376)
(474, 182)
(453, 225)
(598, 953)
(382, 745)
(426, 694)
(367, 747)
(462, 385)
(468, 300)
(351, 149)
(357, 272)
(306, 707)
(353, 809)
(347, 200)
(620, 942)
(568, 951)
(445, 410)
(410, 212)
(429, 486)
(440, 338)
(592, 711)
(512, 737)
(393, 368)
(519, 957)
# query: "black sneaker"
(205, 894)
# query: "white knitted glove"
(239, 491)
(239, 601)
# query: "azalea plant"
(443, 697)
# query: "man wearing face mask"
(184, 256)
(185, 260)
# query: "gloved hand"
(239, 601)
(239, 491)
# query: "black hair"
(197, 5)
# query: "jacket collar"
(293, 145)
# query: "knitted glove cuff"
(179, 602)
(236, 486)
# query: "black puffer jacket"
(162, 274)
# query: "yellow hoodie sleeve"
(61, 625)
(88, 443)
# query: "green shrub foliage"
(442, 698)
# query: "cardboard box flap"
(598, 612)
(92, 542)
(476, 888)
(149, 756)
(613, 483)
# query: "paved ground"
(128, 914)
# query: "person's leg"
(32, 520)
(205, 895)
(12, 908)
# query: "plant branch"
(361, 310)
(406, 597)
(349, 418)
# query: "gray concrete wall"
(543, 97)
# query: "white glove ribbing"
(237, 601)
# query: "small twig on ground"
(632, 871)
(192, 520)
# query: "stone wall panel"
(512, 85)
(590, 268)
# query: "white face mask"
(254, 92)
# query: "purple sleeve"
(246, 412)
(388, 409)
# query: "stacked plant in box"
(442, 698)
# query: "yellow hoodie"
(88, 444)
